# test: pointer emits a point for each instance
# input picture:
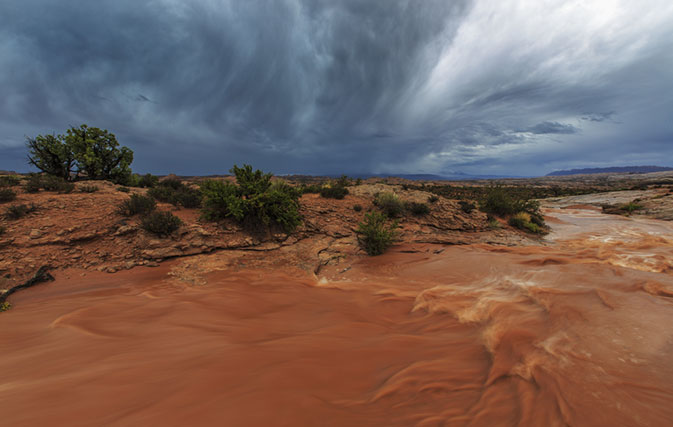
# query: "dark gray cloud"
(598, 117)
(319, 86)
(546, 128)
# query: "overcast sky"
(508, 87)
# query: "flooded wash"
(573, 332)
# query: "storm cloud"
(317, 86)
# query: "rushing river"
(574, 332)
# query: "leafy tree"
(51, 154)
(90, 150)
(98, 155)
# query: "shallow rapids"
(574, 332)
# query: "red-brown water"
(573, 333)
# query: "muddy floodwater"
(576, 331)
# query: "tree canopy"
(83, 150)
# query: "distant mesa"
(619, 169)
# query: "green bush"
(19, 211)
(418, 209)
(33, 184)
(357, 208)
(433, 199)
(343, 181)
(160, 223)
(162, 194)
(2, 230)
(537, 219)
(524, 221)
(124, 189)
(189, 198)
(533, 228)
(466, 207)
(176, 193)
(631, 207)
(376, 235)
(335, 192)
(48, 183)
(9, 181)
(501, 202)
(389, 204)
(7, 195)
(4, 306)
(313, 188)
(137, 204)
(253, 201)
(221, 199)
(251, 183)
(147, 181)
(173, 183)
(88, 189)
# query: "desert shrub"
(188, 197)
(33, 184)
(9, 181)
(494, 224)
(137, 204)
(533, 228)
(357, 208)
(376, 234)
(7, 195)
(161, 223)
(343, 181)
(55, 183)
(466, 207)
(501, 202)
(173, 191)
(182, 195)
(14, 212)
(4, 306)
(221, 199)
(124, 189)
(358, 181)
(2, 230)
(418, 209)
(519, 220)
(279, 204)
(173, 183)
(162, 194)
(433, 199)
(537, 219)
(146, 181)
(251, 183)
(498, 202)
(88, 189)
(389, 204)
(524, 221)
(631, 207)
(253, 201)
(626, 209)
(313, 188)
(334, 192)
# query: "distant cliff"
(620, 169)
